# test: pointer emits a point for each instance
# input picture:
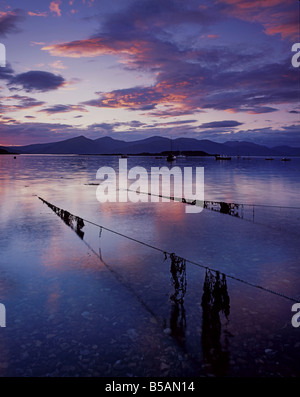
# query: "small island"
(3, 151)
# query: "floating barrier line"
(265, 205)
(194, 202)
(207, 200)
(236, 210)
(187, 260)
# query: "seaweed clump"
(75, 222)
(178, 272)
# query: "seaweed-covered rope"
(170, 254)
(207, 201)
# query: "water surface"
(70, 313)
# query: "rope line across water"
(187, 260)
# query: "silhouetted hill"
(109, 145)
(248, 148)
(5, 151)
(155, 144)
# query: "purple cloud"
(137, 98)
(9, 21)
(63, 109)
(189, 75)
(19, 102)
(221, 124)
(37, 81)
(6, 73)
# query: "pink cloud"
(54, 7)
(94, 47)
(37, 43)
(285, 23)
(58, 65)
(254, 4)
(276, 16)
(37, 14)
(210, 36)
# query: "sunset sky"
(130, 69)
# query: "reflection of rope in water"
(215, 300)
(55, 209)
(68, 218)
(177, 319)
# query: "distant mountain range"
(156, 144)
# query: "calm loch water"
(103, 305)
